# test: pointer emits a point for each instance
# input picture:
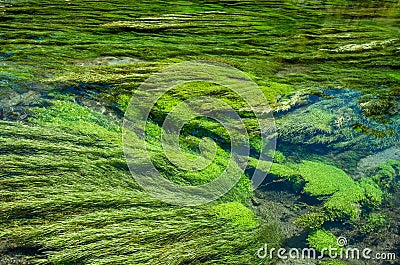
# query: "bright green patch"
(322, 240)
(71, 116)
(345, 204)
(342, 196)
(373, 194)
(322, 179)
(236, 213)
(387, 175)
(123, 102)
(313, 220)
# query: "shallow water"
(330, 71)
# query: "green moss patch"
(236, 213)
(322, 241)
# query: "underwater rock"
(337, 122)
(16, 97)
(372, 161)
(299, 98)
(6, 54)
(364, 47)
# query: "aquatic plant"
(68, 192)
(322, 179)
(236, 213)
(387, 175)
(374, 223)
(65, 187)
(123, 102)
(336, 121)
(342, 197)
(322, 240)
(312, 220)
(151, 39)
(373, 194)
(67, 112)
(345, 205)
(332, 262)
(279, 157)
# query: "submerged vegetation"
(65, 180)
(341, 196)
(329, 69)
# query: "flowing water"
(330, 70)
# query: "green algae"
(69, 192)
(374, 223)
(66, 113)
(237, 213)
(322, 240)
(333, 262)
(342, 197)
(270, 41)
(387, 175)
(373, 193)
(323, 179)
(65, 185)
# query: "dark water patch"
(11, 254)
(298, 152)
(99, 97)
(335, 127)
(17, 96)
(281, 208)
(7, 54)
(26, 251)
(87, 90)
(278, 185)
(297, 241)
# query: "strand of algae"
(66, 190)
